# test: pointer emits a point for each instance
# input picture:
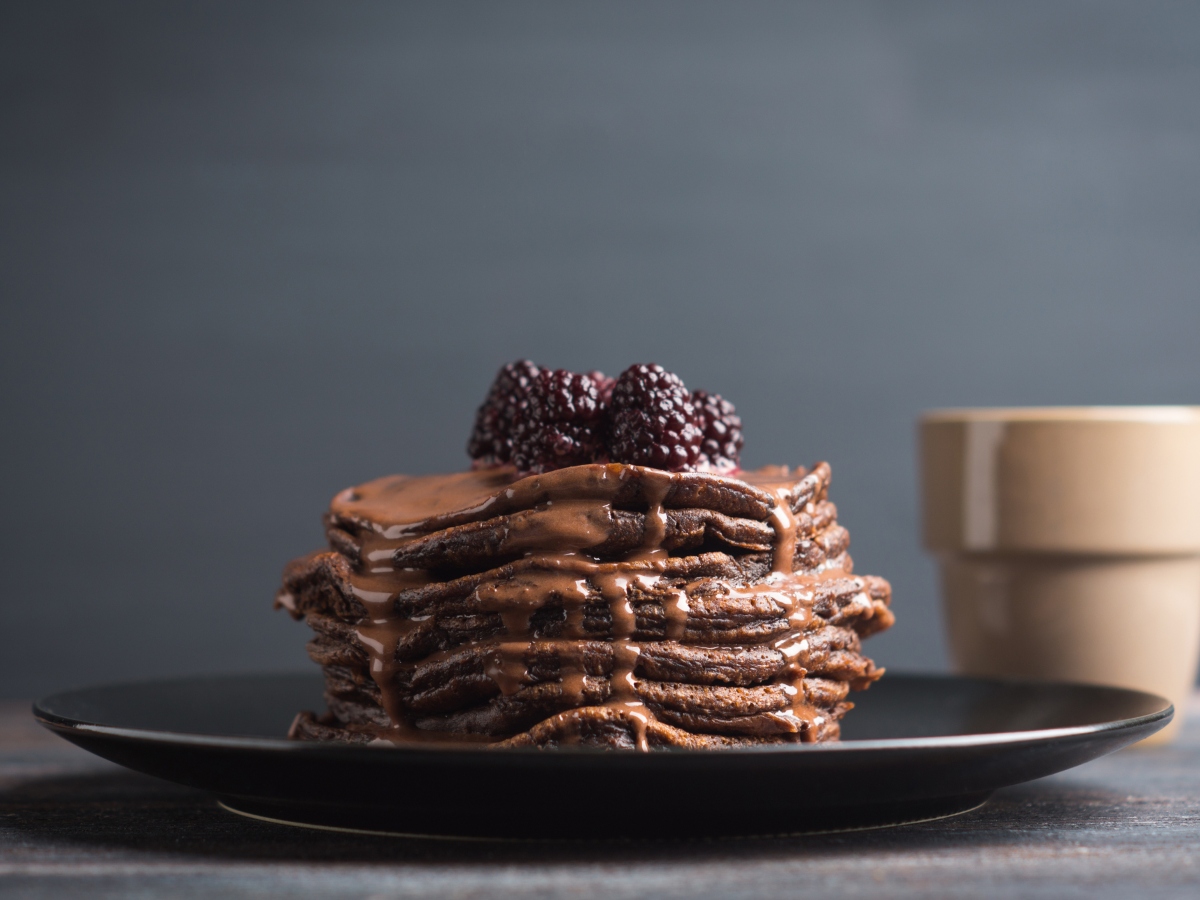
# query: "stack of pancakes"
(609, 605)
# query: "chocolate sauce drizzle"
(573, 515)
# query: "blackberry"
(491, 439)
(652, 421)
(562, 425)
(721, 449)
(604, 385)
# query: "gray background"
(252, 253)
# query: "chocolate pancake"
(602, 604)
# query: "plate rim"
(64, 725)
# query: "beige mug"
(1069, 543)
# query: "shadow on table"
(124, 810)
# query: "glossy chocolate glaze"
(552, 521)
(399, 506)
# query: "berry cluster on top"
(541, 419)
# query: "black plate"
(915, 747)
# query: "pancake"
(604, 604)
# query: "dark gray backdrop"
(252, 253)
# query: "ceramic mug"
(1069, 542)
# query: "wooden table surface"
(1124, 826)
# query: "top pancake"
(400, 506)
